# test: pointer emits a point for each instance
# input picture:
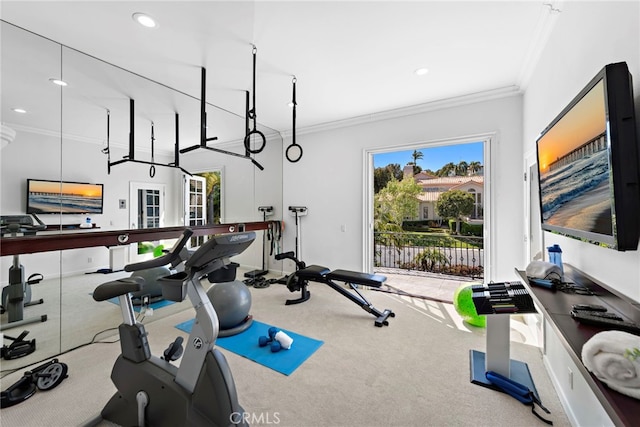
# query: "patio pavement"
(438, 287)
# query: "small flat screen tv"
(588, 164)
(63, 197)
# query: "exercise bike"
(150, 390)
(17, 294)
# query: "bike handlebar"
(285, 255)
(165, 259)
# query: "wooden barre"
(55, 242)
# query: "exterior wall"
(433, 188)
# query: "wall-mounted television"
(588, 164)
(56, 197)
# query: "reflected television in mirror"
(588, 161)
(63, 197)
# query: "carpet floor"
(414, 372)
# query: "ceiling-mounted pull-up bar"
(131, 156)
(203, 130)
(252, 115)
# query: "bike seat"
(118, 287)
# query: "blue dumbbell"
(263, 341)
(278, 339)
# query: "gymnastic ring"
(293, 160)
(247, 141)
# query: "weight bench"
(299, 281)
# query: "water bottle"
(555, 256)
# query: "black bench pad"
(355, 277)
(313, 272)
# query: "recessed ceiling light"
(58, 82)
(421, 71)
(144, 20)
(20, 110)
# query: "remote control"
(544, 283)
(588, 307)
(605, 315)
(605, 323)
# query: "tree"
(382, 175)
(394, 203)
(416, 155)
(461, 168)
(446, 169)
(213, 196)
(454, 204)
(475, 167)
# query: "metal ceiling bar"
(176, 150)
(203, 128)
(131, 156)
(132, 139)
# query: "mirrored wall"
(112, 128)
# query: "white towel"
(603, 355)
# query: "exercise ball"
(152, 286)
(231, 301)
(463, 304)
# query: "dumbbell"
(278, 339)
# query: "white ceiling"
(350, 59)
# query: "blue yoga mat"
(155, 305)
(246, 345)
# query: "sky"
(584, 121)
(433, 158)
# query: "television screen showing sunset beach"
(574, 166)
(65, 197)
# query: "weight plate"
(52, 376)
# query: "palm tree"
(416, 155)
(446, 169)
(461, 168)
(475, 167)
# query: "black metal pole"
(203, 114)
(176, 151)
(131, 130)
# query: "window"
(148, 208)
(195, 205)
(477, 204)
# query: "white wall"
(586, 37)
(329, 179)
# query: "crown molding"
(546, 22)
(322, 127)
(408, 111)
(124, 145)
